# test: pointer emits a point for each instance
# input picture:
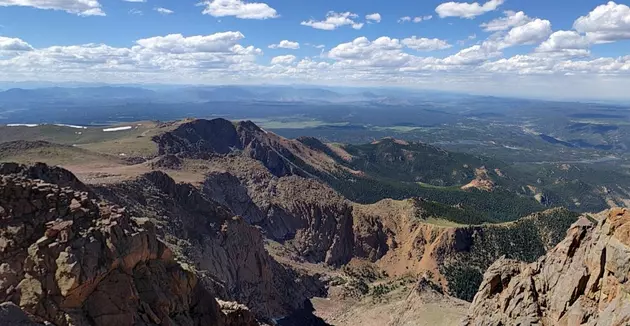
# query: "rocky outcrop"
(200, 138)
(226, 251)
(71, 259)
(303, 213)
(585, 280)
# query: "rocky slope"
(71, 259)
(404, 237)
(302, 213)
(585, 280)
(147, 251)
(227, 251)
(203, 138)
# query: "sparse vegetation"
(526, 240)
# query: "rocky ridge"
(71, 259)
(584, 280)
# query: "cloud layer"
(78, 7)
(546, 58)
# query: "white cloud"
(425, 44)
(164, 11)
(533, 32)
(224, 58)
(375, 17)
(511, 19)
(317, 46)
(335, 20)
(466, 10)
(285, 44)
(414, 19)
(473, 55)
(421, 19)
(606, 23)
(283, 60)
(177, 43)
(13, 44)
(569, 42)
(361, 52)
(78, 7)
(239, 9)
(469, 38)
(136, 12)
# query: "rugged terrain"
(582, 281)
(258, 227)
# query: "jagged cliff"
(71, 259)
(227, 251)
(303, 213)
(585, 280)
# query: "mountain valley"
(257, 228)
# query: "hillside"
(387, 168)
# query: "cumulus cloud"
(223, 57)
(570, 43)
(417, 19)
(425, 44)
(285, 44)
(164, 11)
(382, 52)
(606, 23)
(533, 32)
(473, 55)
(375, 17)
(283, 60)
(335, 20)
(511, 19)
(14, 45)
(78, 7)
(177, 43)
(239, 9)
(466, 10)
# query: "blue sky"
(503, 47)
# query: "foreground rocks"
(71, 259)
(585, 280)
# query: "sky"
(531, 48)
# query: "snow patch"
(118, 128)
(22, 125)
(70, 126)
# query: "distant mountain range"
(208, 94)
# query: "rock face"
(585, 280)
(303, 212)
(226, 251)
(72, 260)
